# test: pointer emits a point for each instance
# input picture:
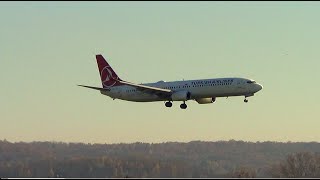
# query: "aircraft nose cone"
(259, 87)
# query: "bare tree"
(298, 165)
(244, 172)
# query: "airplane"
(203, 91)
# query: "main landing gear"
(183, 105)
(168, 104)
(245, 100)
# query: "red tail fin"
(108, 76)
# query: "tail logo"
(107, 77)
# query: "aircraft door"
(240, 86)
(119, 92)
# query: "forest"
(200, 159)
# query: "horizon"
(217, 141)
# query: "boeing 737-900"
(203, 91)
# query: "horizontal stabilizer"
(95, 88)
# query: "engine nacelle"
(181, 96)
(206, 100)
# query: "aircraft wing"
(96, 88)
(149, 89)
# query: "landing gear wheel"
(168, 104)
(183, 106)
(245, 100)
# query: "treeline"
(172, 159)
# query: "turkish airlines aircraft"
(203, 91)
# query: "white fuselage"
(203, 88)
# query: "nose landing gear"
(245, 97)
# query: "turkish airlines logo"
(107, 77)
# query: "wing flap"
(149, 89)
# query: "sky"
(47, 48)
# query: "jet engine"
(206, 100)
(181, 96)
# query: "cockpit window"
(250, 82)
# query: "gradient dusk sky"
(47, 48)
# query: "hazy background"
(47, 48)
